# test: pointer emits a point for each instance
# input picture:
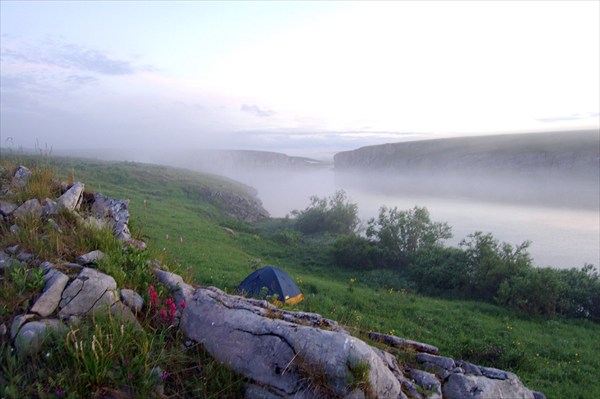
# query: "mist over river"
(561, 236)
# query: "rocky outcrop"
(287, 354)
(238, 205)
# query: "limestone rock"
(132, 299)
(428, 383)
(403, 343)
(30, 208)
(460, 386)
(440, 364)
(117, 210)
(21, 177)
(71, 199)
(25, 257)
(32, 335)
(90, 291)
(5, 260)
(50, 207)
(277, 353)
(123, 313)
(90, 257)
(6, 208)
(18, 322)
(95, 223)
(47, 303)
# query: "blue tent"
(275, 281)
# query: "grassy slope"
(557, 357)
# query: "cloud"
(572, 117)
(257, 111)
(55, 55)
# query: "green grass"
(559, 357)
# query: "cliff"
(575, 153)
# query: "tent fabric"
(276, 281)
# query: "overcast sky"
(292, 76)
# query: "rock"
(494, 373)
(428, 383)
(72, 266)
(50, 207)
(14, 229)
(95, 223)
(132, 242)
(30, 208)
(55, 226)
(117, 210)
(132, 299)
(31, 336)
(159, 376)
(52, 294)
(90, 258)
(13, 249)
(90, 291)
(469, 368)
(25, 257)
(18, 321)
(5, 260)
(279, 354)
(3, 329)
(6, 208)
(437, 363)
(460, 386)
(254, 391)
(21, 177)
(403, 343)
(71, 199)
(123, 313)
(538, 395)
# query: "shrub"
(438, 269)
(334, 215)
(356, 252)
(400, 234)
(489, 263)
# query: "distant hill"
(559, 154)
(541, 168)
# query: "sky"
(296, 77)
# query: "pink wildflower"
(153, 297)
(163, 314)
(172, 309)
(182, 304)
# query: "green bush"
(356, 252)
(438, 270)
(333, 215)
(490, 263)
(400, 234)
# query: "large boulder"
(90, 291)
(291, 359)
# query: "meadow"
(557, 356)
